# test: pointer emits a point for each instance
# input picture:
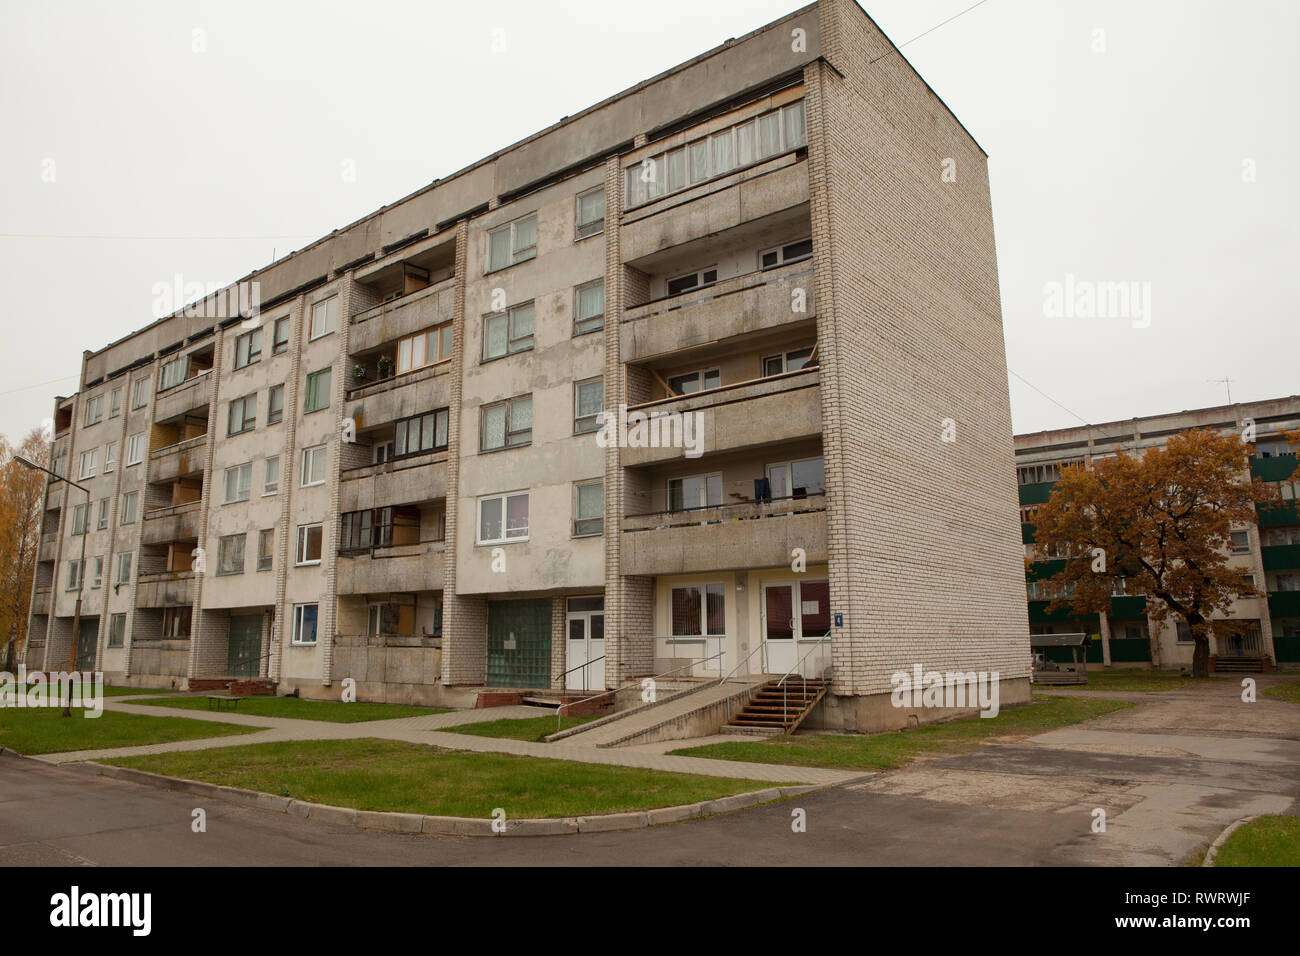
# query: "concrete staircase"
(778, 709)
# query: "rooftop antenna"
(1226, 383)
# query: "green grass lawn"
(535, 729)
(334, 711)
(1290, 690)
(370, 774)
(1266, 841)
(43, 730)
(132, 691)
(887, 751)
(1133, 679)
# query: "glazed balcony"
(401, 317)
(177, 523)
(190, 395)
(402, 567)
(178, 460)
(398, 482)
(164, 589)
(759, 412)
(752, 302)
(753, 534)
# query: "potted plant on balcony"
(385, 366)
(359, 372)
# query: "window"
(424, 348)
(591, 212)
(129, 502)
(696, 491)
(318, 390)
(503, 518)
(693, 280)
(96, 572)
(507, 332)
(230, 554)
(280, 335)
(274, 404)
(94, 410)
(507, 424)
(265, 544)
(790, 361)
(588, 508)
(699, 610)
(420, 433)
(135, 449)
(313, 466)
(309, 543)
(173, 373)
(304, 624)
(271, 480)
(718, 154)
(139, 393)
(1037, 474)
(589, 307)
(323, 316)
(248, 348)
(383, 452)
(1240, 542)
(783, 255)
(110, 456)
(176, 622)
(797, 479)
(239, 480)
(116, 630)
(392, 619)
(383, 527)
(1184, 633)
(513, 242)
(89, 461)
(123, 575)
(243, 415)
(588, 403)
(102, 522)
(115, 403)
(74, 575)
(695, 381)
(79, 519)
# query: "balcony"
(410, 393)
(55, 495)
(1273, 469)
(1036, 494)
(1281, 557)
(176, 461)
(752, 302)
(745, 415)
(403, 567)
(404, 481)
(189, 396)
(1284, 604)
(1279, 515)
(49, 546)
(763, 190)
(41, 601)
(727, 537)
(401, 317)
(164, 589)
(177, 523)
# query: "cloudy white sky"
(1114, 156)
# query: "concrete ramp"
(694, 713)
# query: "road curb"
(413, 823)
(1213, 851)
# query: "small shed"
(1073, 671)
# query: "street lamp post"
(81, 574)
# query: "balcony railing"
(178, 447)
(399, 567)
(401, 481)
(183, 396)
(404, 316)
(367, 389)
(710, 514)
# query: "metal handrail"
(693, 661)
(578, 668)
(762, 645)
(785, 688)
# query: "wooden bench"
(216, 700)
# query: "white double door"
(585, 644)
(795, 613)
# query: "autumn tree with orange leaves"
(21, 490)
(1161, 520)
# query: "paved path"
(431, 729)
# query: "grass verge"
(334, 711)
(1288, 691)
(1265, 841)
(45, 730)
(370, 774)
(886, 751)
(532, 729)
(1135, 680)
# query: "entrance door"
(86, 644)
(796, 615)
(779, 627)
(244, 646)
(585, 626)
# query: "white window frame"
(88, 465)
(279, 345)
(134, 449)
(129, 508)
(304, 536)
(75, 576)
(299, 612)
(263, 536)
(243, 485)
(271, 484)
(701, 375)
(115, 402)
(109, 461)
(247, 422)
(123, 575)
(1245, 539)
(94, 410)
(328, 308)
(703, 587)
(97, 572)
(139, 393)
(274, 415)
(701, 277)
(309, 456)
(101, 520)
(782, 257)
(80, 519)
(166, 372)
(707, 479)
(250, 344)
(504, 499)
(517, 254)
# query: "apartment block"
(772, 267)
(1267, 554)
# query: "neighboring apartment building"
(1269, 554)
(396, 477)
